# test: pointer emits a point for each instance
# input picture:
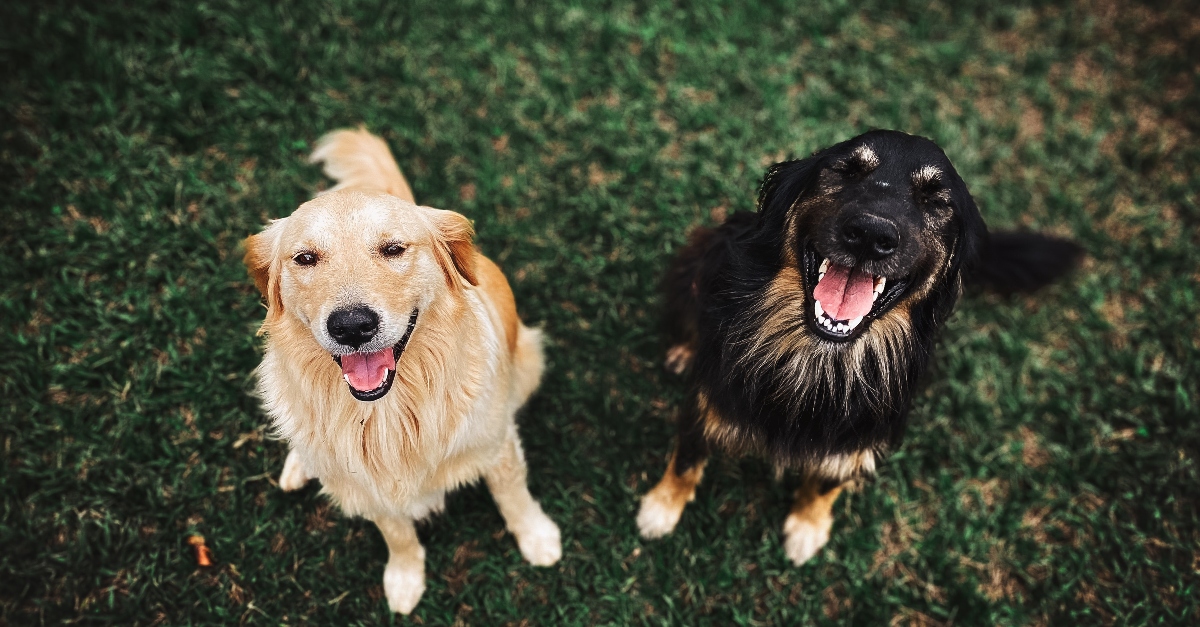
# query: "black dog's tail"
(1024, 262)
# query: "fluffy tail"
(1024, 262)
(357, 159)
(528, 364)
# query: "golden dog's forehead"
(343, 216)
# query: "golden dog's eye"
(305, 259)
(391, 250)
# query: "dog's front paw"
(804, 537)
(659, 513)
(403, 585)
(539, 540)
(293, 476)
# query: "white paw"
(403, 585)
(293, 476)
(804, 538)
(659, 514)
(539, 540)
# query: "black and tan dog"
(805, 327)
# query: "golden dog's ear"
(456, 246)
(264, 267)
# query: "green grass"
(1050, 475)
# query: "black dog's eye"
(932, 194)
(393, 249)
(928, 187)
(305, 259)
(849, 168)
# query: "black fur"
(717, 301)
(1024, 262)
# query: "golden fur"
(469, 364)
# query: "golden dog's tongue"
(366, 371)
(845, 293)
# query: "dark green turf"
(1050, 476)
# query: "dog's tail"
(528, 363)
(357, 159)
(1024, 262)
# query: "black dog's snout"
(353, 326)
(870, 237)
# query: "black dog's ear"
(783, 185)
(970, 245)
(973, 233)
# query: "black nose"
(870, 237)
(353, 326)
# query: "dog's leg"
(404, 577)
(537, 536)
(807, 526)
(662, 506)
(294, 475)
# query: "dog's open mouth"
(370, 375)
(846, 299)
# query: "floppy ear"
(973, 236)
(455, 248)
(785, 183)
(264, 267)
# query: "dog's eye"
(305, 259)
(391, 250)
(932, 194)
(849, 168)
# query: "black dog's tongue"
(845, 293)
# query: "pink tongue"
(366, 371)
(845, 293)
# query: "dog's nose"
(353, 326)
(870, 237)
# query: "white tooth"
(820, 310)
(855, 322)
(820, 276)
(875, 297)
(347, 378)
(824, 267)
(879, 285)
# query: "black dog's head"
(872, 223)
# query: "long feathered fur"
(769, 386)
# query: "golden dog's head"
(356, 269)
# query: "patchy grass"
(1050, 476)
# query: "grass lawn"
(1050, 474)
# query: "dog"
(805, 327)
(395, 361)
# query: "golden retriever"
(395, 362)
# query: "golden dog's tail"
(359, 160)
(528, 363)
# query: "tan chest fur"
(438, 428)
